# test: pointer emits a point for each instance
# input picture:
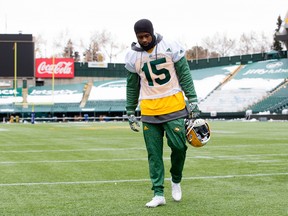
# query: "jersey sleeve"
(132, 92)
(129, 59)
(185, 79)
(178, 51)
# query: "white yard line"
(236, 157)
(225, 157)
(71, 150)
(139, 180)
(166, 148)
(74, 161)
(88, 143)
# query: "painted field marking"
(139, 180)
(236, 157)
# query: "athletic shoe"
(156, 201)
(176, 191)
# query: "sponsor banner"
(5, 84)
(97, 65)
(44, 92)
(273, 69)
(60, 67)
(10, 92)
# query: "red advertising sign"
(60, 67)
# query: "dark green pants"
(176, 140)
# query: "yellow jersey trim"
(162, 106)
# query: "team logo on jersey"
(168, 50)
(176, 129)
(145, 128)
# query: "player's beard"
(150, 45)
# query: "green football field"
(87, 169)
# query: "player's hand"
(134, 123)
(188, 123)
(194, 111)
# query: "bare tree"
(220, 44)
(93, 52)
(245, 44)
(69, 52)
(62, 46)
(107, 44)
(77, 57)
(59, 43)
(68, 49)
(253, 43)
(264, 43)
(112, 49)
(40, 46)
(198, 52)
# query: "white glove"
(194, 111)
(134, 123)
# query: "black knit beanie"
(144, 25)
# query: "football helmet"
(197, 132)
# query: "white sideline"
(139, 180)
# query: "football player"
(158, 79)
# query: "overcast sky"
(188, 21)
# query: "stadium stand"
(275, 102)
(259, 86)
(250, 85)
(106, 106)
(208, 79)
(108, 90)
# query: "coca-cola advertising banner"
(61, 67)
